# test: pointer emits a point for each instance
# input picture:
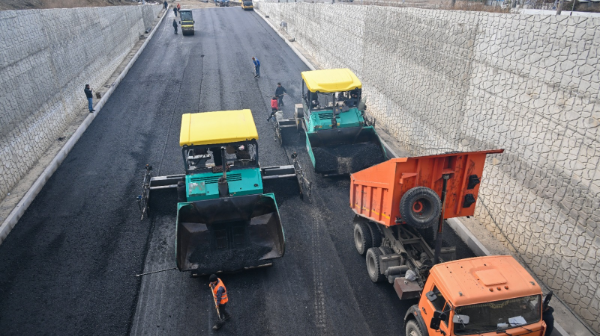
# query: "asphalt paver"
(69, 266)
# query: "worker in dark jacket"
(175, 10)
(175, 25)
(88, 95)
(549, 319)
(279, 92)
(221, 299)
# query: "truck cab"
(491, 295)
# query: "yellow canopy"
(207, 128)
(331, 80)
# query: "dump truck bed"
(375, 192)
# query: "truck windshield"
(186, 16)
(498, 315)
(247, 3)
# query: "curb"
(14, 216)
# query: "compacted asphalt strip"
(69, 266)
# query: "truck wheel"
(412, 329)
(375, 234)
(373, 265)
(362, 237)
(420, 207)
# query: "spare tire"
(420, 207)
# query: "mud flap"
(345, 150)
(228, 234)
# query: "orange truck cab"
(484, 296)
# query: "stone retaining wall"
(451, 80)
(46, 58)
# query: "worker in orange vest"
(220, 296)
(274, 107)
(178, 7)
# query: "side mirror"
(437, 318)
(431, 296)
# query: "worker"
(314, 99)
(242, 153)
(274, 107)
(220, 295)
(216, 153)
(175, 10)
(256, 67)
(175, 25)
(548, 318)
(178, 7)
(279, 92)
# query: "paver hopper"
(228, 234)
(225, 221)
(339, 139)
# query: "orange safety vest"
(274, 104)
(224, 295)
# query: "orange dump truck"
(400, 206)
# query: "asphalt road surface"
(68, 267)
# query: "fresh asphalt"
(69, 266)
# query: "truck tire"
(420, 207)
(373, 264)
(362, 237)
(412, 329)
(375, 234)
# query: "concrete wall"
(46, 58)
(451, 80)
